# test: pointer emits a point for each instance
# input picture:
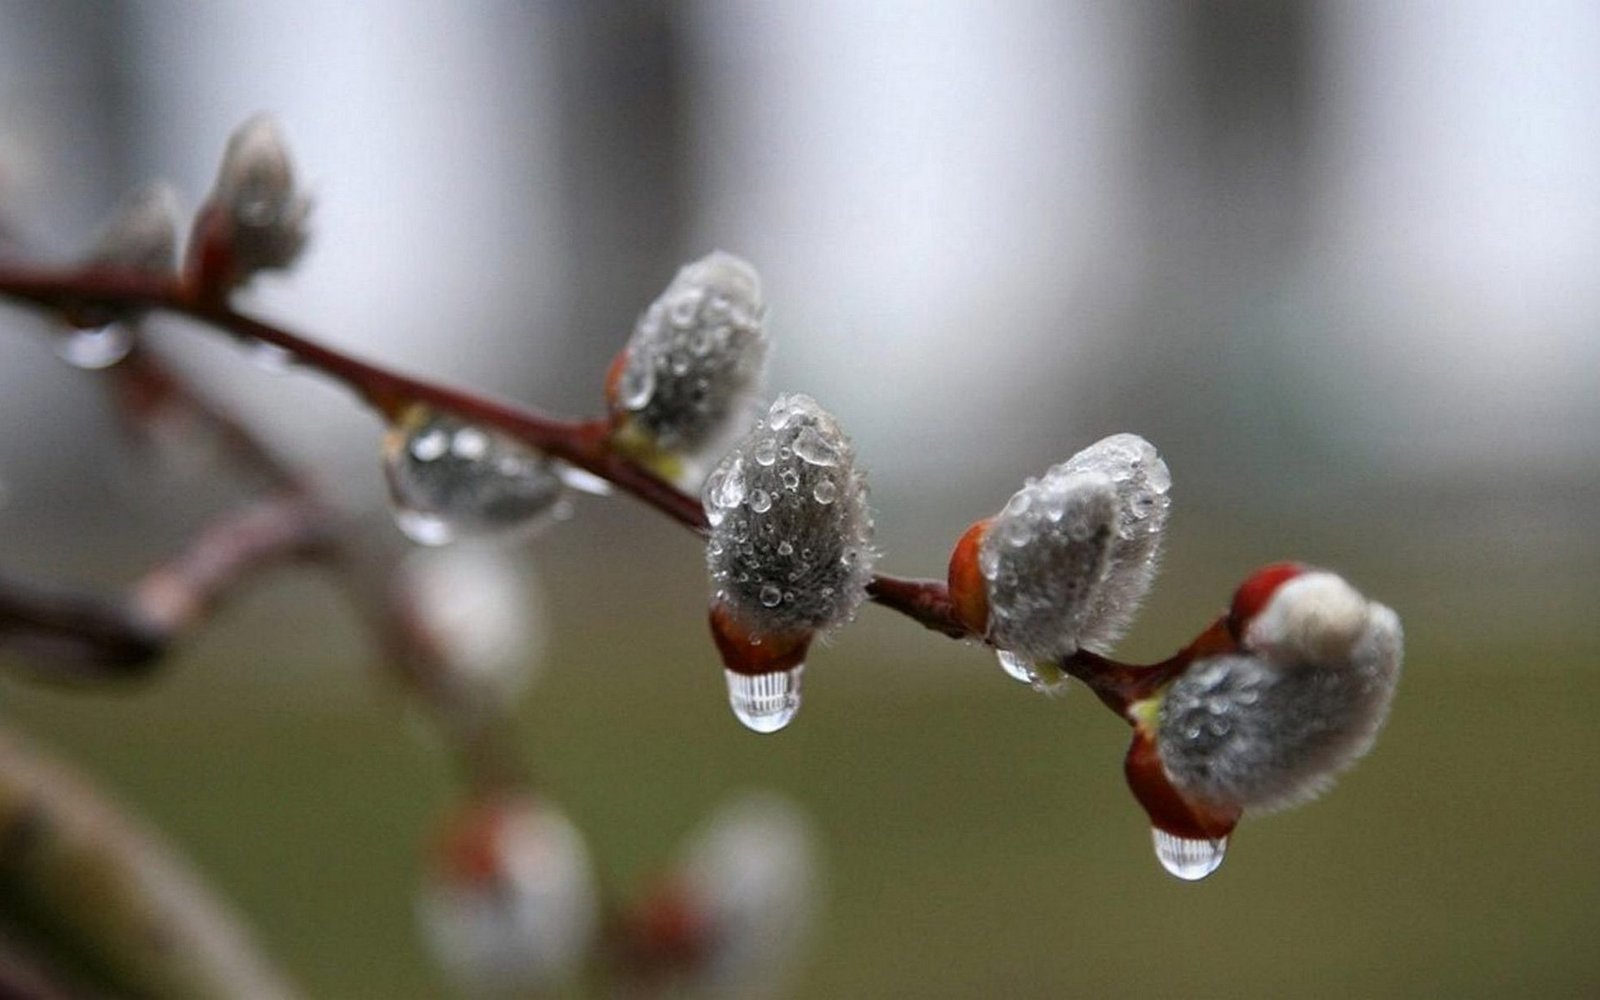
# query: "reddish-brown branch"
(585, 444)
(76, 637)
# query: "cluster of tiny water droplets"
(1041, 558)
(1068, 559)
(765, 703)
(791, 535)
(1143, 484)
(1186, 858)
(696, 355)
(450, 478)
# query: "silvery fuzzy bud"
(790, 548)
(696, 357)
(751, 873)
(479, 613)
(1067, 560)
(1142, 482)
(1272, 725)
(143, 234)
(255, 194)
(509, 908)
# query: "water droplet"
(812, 447)
(1190, 860)
(791, 479)
(1016, 667)
(728, 489)
(771, 596)
(826, 492)
(760, 501)
(785, 549)
(583, 480)
(448, 478)
(638, 383)
(95, 349)
(765, 703)
(270, 358)
(766, 452)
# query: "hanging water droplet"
(583, 480)
(771, 595)
(448, 478)
(638, 383)
(1016, 667)
(270, 358)
(1190, 860)
(760, 501)
(826, 492)
(765, 703)
(97, 348)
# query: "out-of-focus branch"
(101, 894)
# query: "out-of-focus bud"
(449, 478)
(509, 906)
(690, 371)
(733, 918)
(478, 613)
(141, 236)
(790, 553)
(1066, 562)
(255, 217)
(1287, 691)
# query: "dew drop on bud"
(826, 492)
(583, 480)
(765, 703)
(1016, 667)
(94, 349)
(448, 478)
(1190, 860)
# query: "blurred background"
(1339, 261)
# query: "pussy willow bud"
(143, 234)
(477, 612)
(509, 908)
(789, 554)
(255, 217)
(791, 536)
(1065, 563)
(694, 362)
(752, 872)
(1301, 700)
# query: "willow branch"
(586, 444)
(101, 893)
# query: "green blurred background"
(1337, 260)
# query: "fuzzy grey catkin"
(256, 190)
(143, 234)
(791, 535)
(697, 356)
(1068, 559)
(1265, 733)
